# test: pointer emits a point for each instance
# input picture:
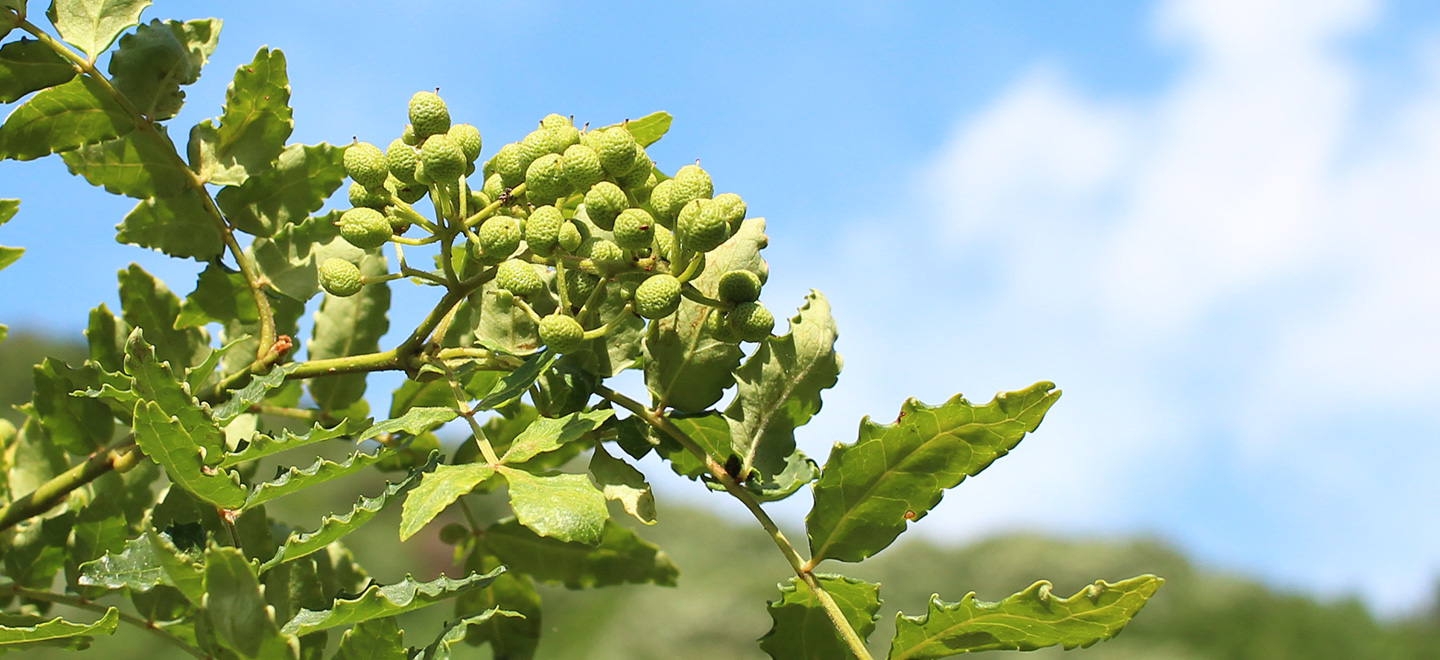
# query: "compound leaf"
(157, 58)
(139, 165)
(1032, 619)
(802, 630)
(148, 305)
(253, 128)
(389, 600)
(897, 473)
(92, 25)
(620, 482)
(178, 449)
(28, 66)
(414, 422)
(620, 557)
(64, 117)
(264, 445)
(566, 507)
(437, 491)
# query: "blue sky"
(1213, 224)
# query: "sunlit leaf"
(28, 66)
(437, 491)
(69, 115)
(803, 631)
(389, 600)
(58, 629)
(157, 58)
(566, 507)
(253, 129)
(92, 25)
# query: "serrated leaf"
(710, 431)
(106, 339)
(32, 459)
(509, 637)
(546, 434)
(254, 392)
(138, 165)
(29, 66)
(147, 304)
(566, 507)
(294, 480)
(375, 639)
(164, 439)
(803, 631)
(414, 422)
(302, 179)
(157, 58)
(179, 226)
(390, 600)
(624, 484)
(799, 470)
(92, 25)
(620, 557)
(440, 648)
(1032, 619)
(264, 445)
(79, 425)
(437, 491)
(649, 129)
(57, 629)
(346, 327)
(514, 384)
(236, 609)
(253, 129)
(153, 380)
(893, 474)
(136, 567)
(685, 367)
(333, 528)
(289, 258)
(778, 388)
(9, 255)
(62, 118)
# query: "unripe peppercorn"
(751, 321)
(658, 296)
(518, 277)
(365, 164)
(428, 114)
(739, 286)
(442, 159)
(545, 180)
(499, 237)
(339, 277)
(365, 228)
(561, 333)
(634, 229)
(466, 137)
(603, 203)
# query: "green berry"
(545, 179)
(542, 230)
(570, 237)
(700, 228)
(638, 173)
(616, 147)
(540, 142)
(717, 325)
(365, 228)
(731, 208)
(339, 277)
(499, 237)
(478, 200)
(603, 203)
(582, 167)
(751, 321)
(510, 164)
(365, 164)
(409, 137)
(442, 158)
(663, 200)
(555, 122)
(579, 285)
(518, 277)
(466, 137)
(693, 183)
(739, 286)
(407, 192)
(561, 333)
(428, 114)
(658, 296)
(399, 224)
(664, 245)
(494, 187)
(361, 196)
(401, 159)
(634, 229)
(605, 254)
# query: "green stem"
(800, 566)
(42, 499)
(491, 208)
(689, 291)
(468, 413)
(91, 606)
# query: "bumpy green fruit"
(751, 321)
(717, 324)
(582, 167)
(361, 196)
(442, 158)
(494, 187)
(541, 142)
(365, 228)
(578, 286)
(638, 173)
(545, 180)
(561, 333)
(700, 228)
(518, 277)
(466, 137)
(603, 203)
(731, 208)
(409, 137)
(399, 224)
(365, 163)
(510, 164)
(605, 254)
(616, 147)
(634, 229)
(570, 237)
(478, 200)
(692, 183)
(554, 121)
(658, 296)
(407, 192)
(664, 201)
(739, 286)
(499, 237)
(664, 245)
(401, 159)
(339, 277)
(542, 230)
(428, 114)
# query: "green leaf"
(236, 610)
(710, 431)
(139, 165)
(64, 117)
(8, 255)
(566, 507)
(57, 629)
(624, 484)
(440, 648)
(8, 208)
(253, 129)
(620, 557)
(152, 380)
(36, 550)
(778, 388)
(333, 527)
(650, 128)
(264, 445)
(803, 631)
(620, 348)
(437, 491)
(288, 259)
(514, 384)
(187, 575)
(294, 480)
(302, 179)
(155, 60)
(106, 339)
(136, 567)
(798, 471)
(164, 439)
(79, 425)
(148, 305)
(504, 326)
(32, 459)
(346, 327)
(92, 25)
(375, 639)
(382, 601)
(509, 637)
(254, 392)
(414, 422)
(1032, 619)
(896, 473)
(179, 226)
(686, 368)
(29, 66)
(546, 434)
